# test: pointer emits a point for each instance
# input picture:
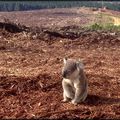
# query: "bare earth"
(59, 17)
(30, 73)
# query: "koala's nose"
(64, 74)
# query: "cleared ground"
(30, 75)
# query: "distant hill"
(31, 5)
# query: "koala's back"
(83, 80)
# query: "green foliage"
(31, 5)
(109, 27)
(96, 26)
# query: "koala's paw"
(74, 102)
(65, 100)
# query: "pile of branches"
(12, 27)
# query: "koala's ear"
(79, 60)
(64, 60)
(79, 65)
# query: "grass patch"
(110, 27)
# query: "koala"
(74, 81)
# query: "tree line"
(31, 5)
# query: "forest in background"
(31, 5)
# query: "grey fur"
(74, 82)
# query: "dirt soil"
(59, 17)
(30, 74)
